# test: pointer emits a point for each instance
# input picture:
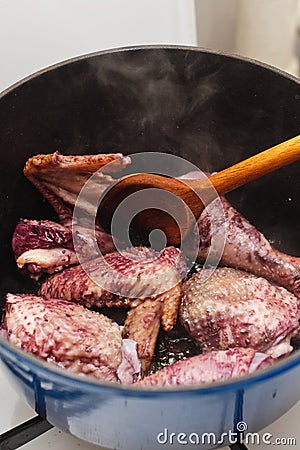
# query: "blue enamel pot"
(210, 108)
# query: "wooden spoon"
(195, 194)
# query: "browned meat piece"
(209, 367)
(43, 246)
(139, 278)
(119, 279)
(40, 234)
(246, 248)
(70, 336)
(60, 178)
(237, 309)
(142, 324)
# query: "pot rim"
(74, 59)
(10, 351)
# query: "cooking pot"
(210, 108)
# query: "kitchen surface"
(35, 34)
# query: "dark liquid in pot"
(172, 347)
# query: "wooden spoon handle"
(256, 166)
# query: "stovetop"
(13, 411)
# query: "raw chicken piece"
(237, 309)
(139, 278)
(43, 246)
(70, 336)
(60, 179)
(44, 234)
(142, 323)
(209, 368)
(119, 279)
(246, 248)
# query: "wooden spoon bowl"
(194, 194)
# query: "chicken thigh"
(232, 308)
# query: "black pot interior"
(211, 109)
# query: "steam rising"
(162, 102)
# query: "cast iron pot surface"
(209, 108)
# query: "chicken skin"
(209, 368)
(232, 308)
(70, 336)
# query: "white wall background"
(37, 33)
(262, 29)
